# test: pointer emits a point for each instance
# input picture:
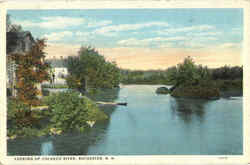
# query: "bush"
(198, 91)
(22, 122)
(45, 92)
(73, 82)
(19, 113)
(229, 84)
(69, 112)
(55, 86)
(26, 132)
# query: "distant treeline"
(144, 77)
(227, 73)
(163, 76)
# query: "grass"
(55, 86)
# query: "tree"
(31, 70)
(12, 27)
(8, 23)
(187, 73)
(90, 69)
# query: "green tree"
(187, 73)
(90, 69)
(69, 112)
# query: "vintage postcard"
(154, 82)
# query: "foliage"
(45, 92)
(73, 82)
(19, 113)
(31, 70)
(229, 84)
(69, 112)
(55, 86)
(144, 77)
(90, 69)
(22, 122)
(189, 73)
(27, 132)
(192, 80)
(227, 73)
(198, 91)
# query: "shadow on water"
(188, 109)
(69, 143)
(78, 143)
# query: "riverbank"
(61, 112)
(150, 124)
(212, 89)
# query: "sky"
(141, 38)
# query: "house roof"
(19, 42)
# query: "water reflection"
(149, 125)
(70, 143)
(104, 94)
(187, 109)
(78, 144)
(47, 148)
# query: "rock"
(162, 90)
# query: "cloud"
(167, 41)
(237, 31)
(84, 34)
(57, 36)
(57, 22)
(128, 27)
(94, 23)
(148, 41)
(230, 45)
(186, 29)
(201, 34)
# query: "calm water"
(151, 125)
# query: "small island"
(195, 81)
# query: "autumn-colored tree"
(31, 70)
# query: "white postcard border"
(168, 159)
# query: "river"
(151, 124)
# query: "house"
(17, 42)
(59, 70)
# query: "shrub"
(198, 91)
(45, 92)
(73, 82)
(22, 122)
(55, 86)
(229, 84)
(69, 112)
(19, 113)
